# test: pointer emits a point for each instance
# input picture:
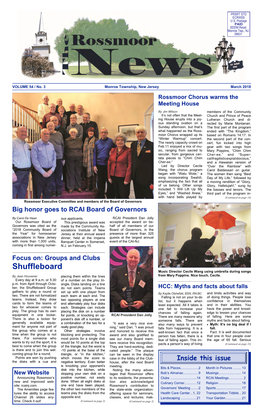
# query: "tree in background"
(110, 28)
(33, 65)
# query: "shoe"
(70, 191)
(79, 190)
(53, 194)
(59, 194)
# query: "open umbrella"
(219, 220)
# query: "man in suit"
(86, 124)
(142, 165)
(233, 254)
(59, 104)
(21, 163)
(241, 260)
(131, 287)
(72, 110)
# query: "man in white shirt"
(43, 108)
(79, 114)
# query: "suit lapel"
(125, 277)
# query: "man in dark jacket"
(142, 165)
(86, 124)
(101, 153)
(72, 110)
(193, 250)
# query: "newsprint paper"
(134, 205)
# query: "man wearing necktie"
(133, 281)
(43, 157)
(142, 165)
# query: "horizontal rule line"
(61, 253)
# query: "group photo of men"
(85, 145)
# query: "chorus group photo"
(204, 235)
(82, 145)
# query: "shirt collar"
(132, 270)
(20, 141)
(142, 142)
(41, 142)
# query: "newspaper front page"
(135, 149)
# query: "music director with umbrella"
(193, 250)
